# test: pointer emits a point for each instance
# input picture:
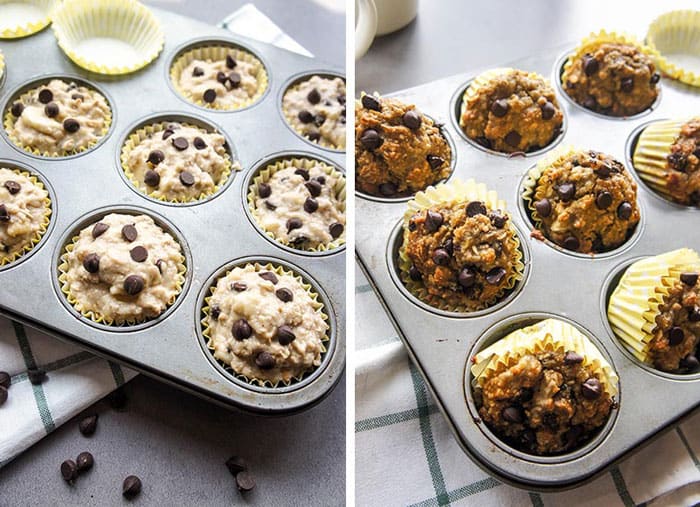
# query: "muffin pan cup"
(557, 284)
(216, 231)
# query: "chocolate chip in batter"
(690, 279)
(235, 79)
(591, 389)
(466, 277)
(159, 264)
(603, 199)
(321, 179)
(414, 274)
(513, 138)
(209, 95)
(230, 62)
(678, 161)
(167, 133)
(186, 178)
(4, 214)
(51, 109)
(495, 276)
(627, 84)
(566, 191)
(77, 96)
(411, 119)
(543, 207)
(215, 312)
(221, 77)
(305, 116)
(71, 126)
(285, 335)
(319, 120)
(264, 190)
(12, 186)
(69, 471)
(303, 173)
(336, 229)
(590, 102)
(269, 276)
(590, 65)
(624, 211)
(655, 77)
(313, 136)
(314, 97)
(180, 143)
(572, 357)
(310, 205)
(129, 232)
(133, 284)
(241, 330)
(499, 108)
(498, 220)
(433, 220)
(294, 223)
(91, 263)
(199, 143)
(694, 314)
(603, 172)
(571, 243)
(285, 295)
(435, 162)
(239, 286)
(314, 188)
(45, 96)
(388, 189)
(197, 71)
(17, 109)
(441, 257)
(548, 111)
(675, 336)
(155, 157)
(151, 178)
(475, 208)
(512, 414)
(99, 229)
(371, 102)
(264, 361)
(139, 254)
(690, 363)
(370, 139)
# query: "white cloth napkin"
(77, 379)
(406, 455)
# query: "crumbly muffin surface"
(683, 165)
(23, 208)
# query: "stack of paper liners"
(634, 304)
(676, 33)
(550, 335)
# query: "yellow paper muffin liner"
(676, 32)
(634, 304)
(29, 28)
(2, 69)
(43, 227)
(317, 306)
(650, 155)
(125, 20)
(477, 83)
(106, 319)
(10, 120)
(141, 134)
(454, 191)
(266, 173)
(549, 335)
(213, 53)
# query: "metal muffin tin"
(557, 283)
(214, 232)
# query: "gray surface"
(176, 442)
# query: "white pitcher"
(380, 17)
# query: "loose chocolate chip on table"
(88, 425)
(36, 376)
(548, 111)
(5, 379)
(294, 223)
(129, 232)
(513, 138)
(235, 79)
(269, 276)
(690, 363)
(69, 471)
(51, 109)
(3, 395)
(230, 62)
(199, 143)
(264, 190)
(303, 173)
(566, 191)
(591, 389)
(241, 329)
(627, 84)
(314, 97)
(155, 157)
(512, 414)
(572, 357)
(466, 277)
(434, 161)
(138, 254)
(689, 279)
(624, 211)
(17, 109)
(388, 189)
(675, 336)
(285, 295)
(441, 257)
(197, 71)
(4, 214)
(285, 335)
(151, 178)
(590, 65)
(314, 188)
(221, 77)
(370, 102)
(414, 273)
(499, 108)
(45, 96)
(590, 102)
(99, 229)
(70, 125)
(91, 263)
(694, 314)
(475, 208)
(84, 461)
(180, 143)
(495, 276)
(186, 178)
(240, 286)
(13, 187)
(336, 229)
(209, 96)
(433, 220)
(245, 481)
(543, 208)
(571, 243)
(411, 119)
(370, 139)
(131, 487)
(236, 465)
(133, 284)
(264, 361)
(603, 199)
(310, 205)
(655, 77)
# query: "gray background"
(177, 443)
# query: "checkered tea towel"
(406, 455)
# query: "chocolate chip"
(433, 220)
(475, 208)
(370, 139)
(197, 71)
(3, 395)
(236, 465)
(230, 62)
(167, 133)
(133, 284)
(131, 487)
(434, 161)
(566, 191)
(209, 95)
(129, 232)
(548, 111)
(624, 211)
(655, 77)
(512, 414)
(690, 363)
(235, 79)
(151, 178)
(69, 471)
(305, 116)
(5, 379)
(627, 84)
(466, 277)
(590, 65)
(244, 480)
(45, 96)
(676, 335)
(603, 199)
(139, 254)
(319, 120)
(215, 312)
(155, 157)
(285, 295)
(495, 276)
(269, 276)
(221, 77)
(186, 178)
(497, 219)
(314, 188)
(17, 109)
(314, 97)
(371, 102)
(572, 357)
(13, 187)
(91, 263)
(303, 173)
(88, 425)
(591, 389)
(84, 461)
(71, 126)
(388, 189)
(678, 161)
(36, 376)
(411, 119)
(180, 143)
(294, 223)
(571, 243)
(341, 99)
(543, 208)
(449, 246)
(241, 330)
(264, 361)
(77, 96)
(51, 109)
(499, 108)
(590, 102)
(285, 335)
(313, 136)
(321, 179)
(4, 214)
(310, 205)
(689, 279)
(99, 229)
(513, 138)
(603, 172)
(264, 190)
(441, 257)
(414, 274)
(199, 143)
(240, 286)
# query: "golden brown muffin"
(683, 176)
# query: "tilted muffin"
(315, 108)
(460, 251)
(58, 118)
(584, 201)
(265, 324)
(511, 110)
(177, 162)
(544, 389)
(667, 158)
(24, 213)
(398, 150)
(122, 269)
(300, 202)
(612, 75)
(655, 310)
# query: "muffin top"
(611, 78)
(265, 325)
(316, 109)
(179, 162)
(585, 201)
(464, 254)
(398, 150)
(124, 268)
(23, 212)
(228, 83)
(59, 118)
(300, 206)
(511, 110)
(683, 177)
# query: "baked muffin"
(265, 324)
(511, 110)
(58, 118)
(177, 162)
(122, 269)
(301, 203)
(655, 310)
(24, 213)
(460, 251)
(544, 389)
(315, 108)
(612, 75)
(584, 201)
(398, 150)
